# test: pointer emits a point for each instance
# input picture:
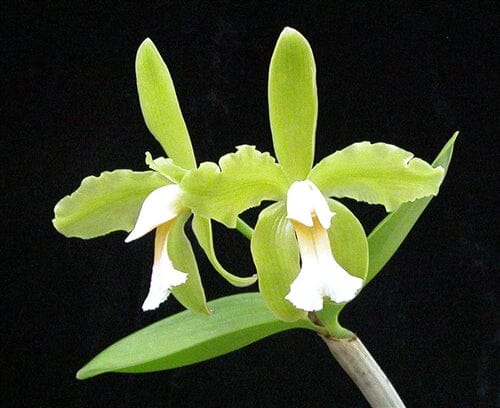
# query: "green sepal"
(388, 235)
(293, 103)
(166, 167)
(377, 174)
(202, 229)
(107, 203)
(160, 107)
(276, 256)
(187, 338)
(190, 294)
(241, 181)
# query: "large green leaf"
(276, 255)
(190, 294)
(293, 103)
(202, 229)
(241, 181)
(110, 202)
(387, 236)
(377, 174)
(188, 338)
(160, 107)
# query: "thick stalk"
(359, 364)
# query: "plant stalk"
(245, 229)
(359, 364)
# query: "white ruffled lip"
(159, 207)
(164, 275)
(163, 278)
(159, 210)
(316, 281)
(320, 274)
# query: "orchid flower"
(306, 246)
(139, 202)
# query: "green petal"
(293, 103)
(166, 168)
(276, 255)
(160, 107)
(387, 236)
(377, 174)
(350, 250)
(187, 338)
(110, 202)
(190, 294)
(348, 240)
(202, 229)
(243, 180)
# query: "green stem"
(360, 365)
(245, 229)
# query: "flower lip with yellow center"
(320, 274)
(160, 210)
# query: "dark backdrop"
(387, 72)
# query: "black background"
(387, 71)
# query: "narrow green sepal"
(107, 203)
(202, 229)
(166, 167)
(241, 181)
(190, 294)
(276, 256)
(293, 103)
(160, 107)
(376, 173)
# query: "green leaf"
(160, 107)
(188, 338)
(166, 167)
(190, 294)
(243, 180)
(377, 174)
(276, 255)
(293, 103)
(202, 229)
(110, 202)
(387, 236)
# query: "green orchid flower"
(307, 247)
(139, 202)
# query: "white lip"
(320, 274)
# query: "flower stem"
(359, 364)
(245, 229)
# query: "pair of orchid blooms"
(307, 247)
